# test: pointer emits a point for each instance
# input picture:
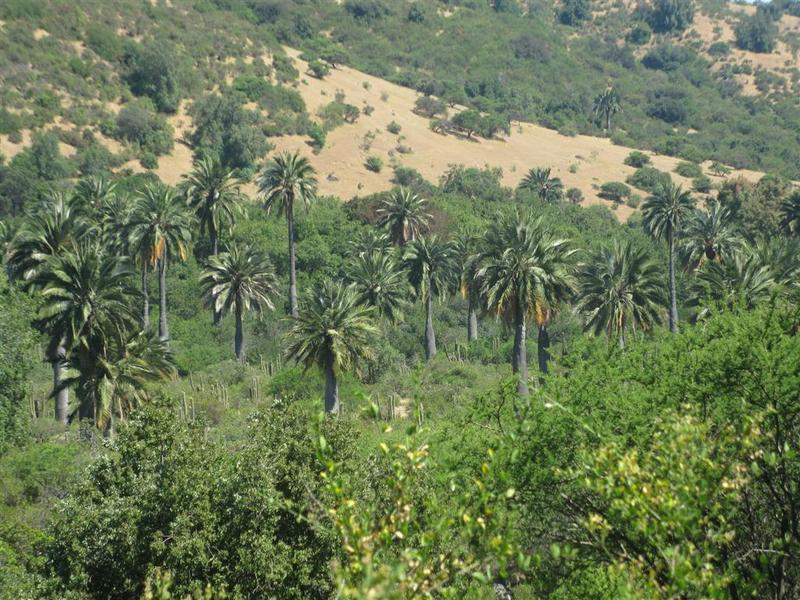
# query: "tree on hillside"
(213, 192)
(466, 247)
(709, 236)
(757, 33)
(525, 272)
(620, 289)
(606, 105)
(380, 283)
(153, 70)
(53, 230)
(666, 16)
(664, 215)
(334, 332)
(540, 181)
(287, 179)
(403, 215)
(744, 280)
(160, 230)
(431, 266)
(575, 12)
(239, 279)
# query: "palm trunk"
(212, 233)
(621, 339)
(146, 299)
(472, 318)
(519, 359)
(331, 389)
(292, 262)
(608, 121)
(239, 338)
(673, 292)
(430, 336)
(543, 345)
(61, 395)
(163, 329)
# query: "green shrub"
(374, 164)
(318, 135)
(637, 159)
(104, 41)
(719, 49)
(648, 179)
(393, 127)
(574, 195)
(138, 125)
(9, 122)
(149, 161)
(701, 184)
(639, 34)
(318, 69)
(155, 70)
(429, 107)
(689, 169)
(634, 201)
(616, 191)
(756, 33)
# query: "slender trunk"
(519, 360)
(608, 121)
(543, 345)
(238, 343)
(292, 261)
(61, 395)
(163, 329)
(146, 298)
(472, 318)
(430, 336)
(212, 233)
(673, 292)
(622, 339)
(331, 389)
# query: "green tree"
(379, 283)
(431, 266)
(403, 215)
(606, 105)
(466, 246)
(213, 192)
(287, 179)
(744, 280)
(541, 182)
(665, 213)
(525, 272)
(160, 228)
(790, 215)
(709, 236)
(334, 332)
(574, 12)
(620, 289)
(665, 16)
(238, 280)
(154, 70)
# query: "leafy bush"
(615, 191)
(574, 195)
(648, 179)
(670, 15)
(428, 106)
(719, 49)
(574, 12)
(138, 125)
(9, 122)
(688, 169)
(367, 10)
(639, 34)
(104, 41)
(637, 159)
(374, 164)
(319, 69)
(668, 57)
(393, 127)
(154, 70)
(668, 105)
(756, 33)
(701, 184)
(317, 134)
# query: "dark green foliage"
(670, 15)
(473, 183)
(227, 130)
(639, 34)
(367, 10)
(668, 105)
(701, 184)
(155, 70)
(648, 179)
(138, 125)
(574, 12)
(429, 107)
(668, 57)
(9, 122)
(43, 158)
(637, 159)
(374, 164)
(318, 69)
(719, 49)
(757, 33)
(104, 41)
(689, 169)
(616, 191)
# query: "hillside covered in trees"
(399, 300)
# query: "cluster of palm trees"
(81, 253)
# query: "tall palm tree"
(431, 266)
(240, 279)
(213, 192)
(369, 241)
(50, 232)
(744, 280)
(160, 228)
(333, 331)
(87, 303)
(665, 212)
(782, 256)
(525, 272)
(468, 260)
(91, 195)
(790, 214)
(620, 289)
(287, 179)
(403, 215)
(709, 236)
(379, 282)
(607, 105)
(113, 224)
(543, 184)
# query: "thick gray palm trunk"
(146, 299)
(472, 318)
(519, 358)
(163, 328)
(430, 336)
(61, 394)
(331, 389)
(238, 343)
(292, 262)
(673, 289)
(212, 234)
(543, 348)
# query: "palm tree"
(159, 227)
(403, 215)
(50, 232)
(781, 256)
(431, 265)
(664, 214)
(621, 289)
(114, 221)
(525, 273)
(540, 182)
(607, 105)
(92, 194)
(333, 331)
(790, 214)
(744, 280)
(241, 279)
(87, 303)
(709, 236)
(213, 193)
(379, 283)
(369, 241)
(286, 179)
(468, 259)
